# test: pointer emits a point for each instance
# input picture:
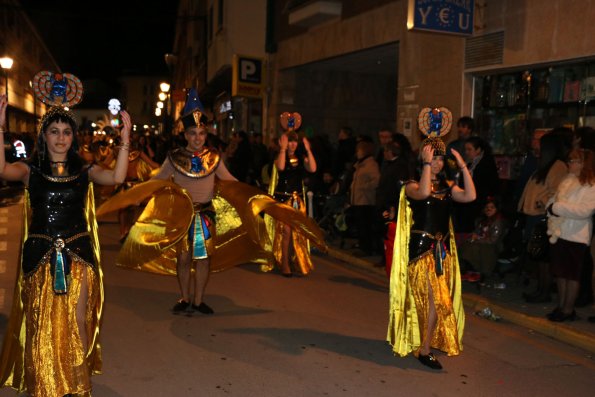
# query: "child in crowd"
(480, 252)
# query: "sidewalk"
(507, 304)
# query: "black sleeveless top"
(290, 179)
(431, 218)
(57, 211)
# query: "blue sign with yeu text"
(445, 16)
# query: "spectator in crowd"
(363, 197)
(344, 155)
(385, 136)
(239, 159)
(465, 128)
(540, 188)
(482, 167)
(396, 171)
(571, 211)
(260, 158)
(481, 251)
(586, 140)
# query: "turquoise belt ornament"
(60, 259)
(199, 234)
(59, 263)
(439, 253)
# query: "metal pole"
(7, 116)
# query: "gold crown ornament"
(434, 123)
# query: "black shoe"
(203, 308)
(429, 361)
(591, 319)
(180, 306)
(288, 275)
(561, 317)
(553, 313)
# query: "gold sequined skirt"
(56, 362)
(422, 276)
(301, 249)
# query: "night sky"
(105, 39)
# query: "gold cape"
(12, 371)
(404, 333)
(301, 245)
(241, 235)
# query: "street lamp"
(164, 97)
(6, 64)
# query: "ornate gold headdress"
(58, 90)
(435, 123)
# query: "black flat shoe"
(553, 313)
(560, 317)
(429, 361)
(288, 275)
(203, 308)
(180, 306)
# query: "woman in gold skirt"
(51, 346)
(425, 285)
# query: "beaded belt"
(439, 247)
(58, 260)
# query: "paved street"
(317, 336)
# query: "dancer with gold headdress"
(425, 307)
(51, 346)
(287, 186)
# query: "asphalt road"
(322, 335)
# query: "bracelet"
(125, 145)
(2, 130)
(426, 163)
(463, 167)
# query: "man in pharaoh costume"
(192, 193)
(51, 345)
(425, 307)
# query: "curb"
(573, 337)
(583, 340)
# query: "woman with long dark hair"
(425, 307)
(51, 346)
(540, 188)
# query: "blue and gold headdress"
(435, 123)
(60, 91)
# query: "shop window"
(510, 107)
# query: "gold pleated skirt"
(301, 249)
(422, 275)
(55, 361)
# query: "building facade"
(20, 41)
(526, 67)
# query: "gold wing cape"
(241, 235)
(403, 328)
(12, 372)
